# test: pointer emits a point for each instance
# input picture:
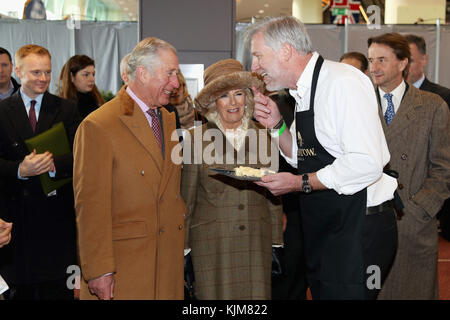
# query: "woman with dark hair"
(77, 83)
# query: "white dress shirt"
(397, 96)
(347, 125)
(27, 103)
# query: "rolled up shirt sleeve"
(352, 128)
(347, 125)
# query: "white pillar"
(308, 11)
(414, 11)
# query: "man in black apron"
(339, 148)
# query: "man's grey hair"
(280, 30)
(124, 64)
(146, 54)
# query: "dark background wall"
(202, 31)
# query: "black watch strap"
(306, 187)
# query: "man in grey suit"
(416, 77)
(416, 126)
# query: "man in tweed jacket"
(417, 138)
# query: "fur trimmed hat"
(222, 77)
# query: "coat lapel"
(425, 85)
(133, 118)
(140, 128)
(169, 126)
(47, 114)
(404, 115)
(19, 117)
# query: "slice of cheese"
(252, 172)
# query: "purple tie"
(156, 126)
(32, 115)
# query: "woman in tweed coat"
(231, 224)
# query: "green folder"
(53, 140)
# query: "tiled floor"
(444, 269)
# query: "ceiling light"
(125, 9)
(266, 5)
(261, 11)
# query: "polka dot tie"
(389, 115)
(156, 126)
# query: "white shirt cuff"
(18, 173)
(323, 178)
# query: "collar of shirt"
(9, 92)
(419, 82)
(141, 105)
(235, 137)
(304, 83)
(27, 102)
(397, 95)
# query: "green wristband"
(283, 127)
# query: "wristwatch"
(306, 187)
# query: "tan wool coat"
(130, 214)
(418, 140)
(231, 227)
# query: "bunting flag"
(340, 9)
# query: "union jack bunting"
(340, 9)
